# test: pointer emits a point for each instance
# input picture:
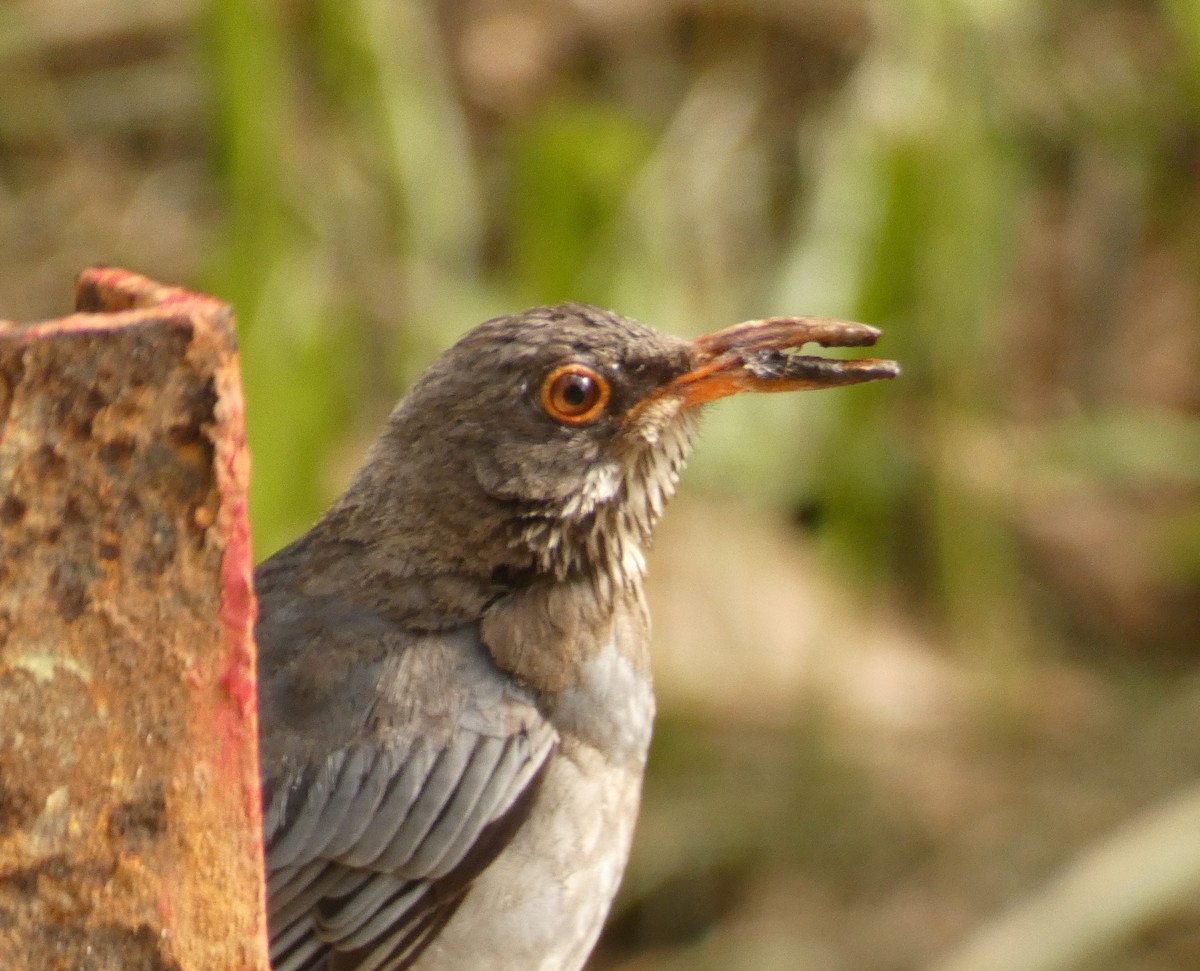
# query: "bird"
(455, 692)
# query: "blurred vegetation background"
(927, 652)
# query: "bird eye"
(575, 394)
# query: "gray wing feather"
(489, 805)
(341, 926)
(371, 845)
(340, 802)
(295, 839)
(387, 912)
(421, 831)
(286, 936)
(409, 823)
(536, 751)
(473, 782)
(439, 791)
(300, 957)
(391, 814)
(367, 795)
(293, 892)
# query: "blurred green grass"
(375, 204)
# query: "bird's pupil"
(576, 391)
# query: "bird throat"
(601, 531)
(587, 598)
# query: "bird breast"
(541, 905)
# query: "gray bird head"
(547, 420)
(548, 442)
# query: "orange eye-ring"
(574, 394)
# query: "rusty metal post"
(129, 801)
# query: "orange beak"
(762, 355)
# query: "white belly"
(541, 905)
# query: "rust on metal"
(129, 804)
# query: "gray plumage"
(455, 692)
